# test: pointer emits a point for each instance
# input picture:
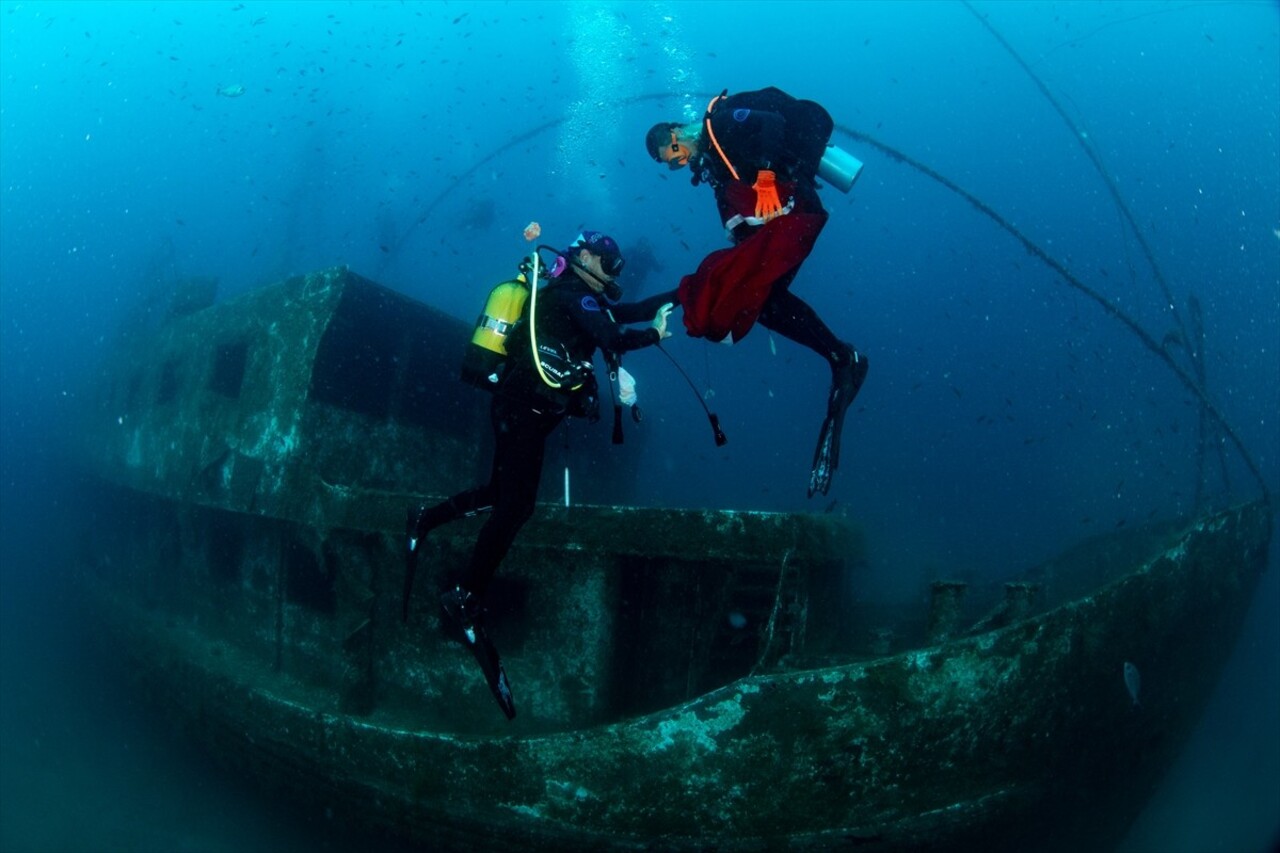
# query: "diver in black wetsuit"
(757, 149)
(576, 315)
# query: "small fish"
(773, 347)
(235, 90)
(1132, 682)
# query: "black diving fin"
(411, 543)
(486, 655)
(826, 456)
(462, 611)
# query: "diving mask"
(676, 155)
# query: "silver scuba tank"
(839, 168)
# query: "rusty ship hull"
(685, 679)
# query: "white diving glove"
(660, 320)
(626, 387)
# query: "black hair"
(659, 137)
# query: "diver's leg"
(521, 441)
(794, 319)
(520, 435)
(422, 519)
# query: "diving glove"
(660, 320)
(626, 388)
(768, 205)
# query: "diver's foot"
(412, 525)
(846, 380)
(462, 609)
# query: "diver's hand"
(660, 320)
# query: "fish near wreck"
(1133, 682)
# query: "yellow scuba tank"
(482, 362)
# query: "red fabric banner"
(731, 285)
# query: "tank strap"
(501, 327)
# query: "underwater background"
(1006, 415)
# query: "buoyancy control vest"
(500, 355)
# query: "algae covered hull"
(262, 454)
(987, 742)
(684, 679)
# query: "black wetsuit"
(525, 411)
(734, 288)
(769, 129)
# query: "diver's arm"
(608, 335)
(644, 310)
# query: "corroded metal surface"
(1016, 737)
(600, 611)
(293, 401)
(257, 458)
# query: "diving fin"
(411, 542)
(826, 457)
(410, 568)
(845, 384)
(486, 655)
(462, 610)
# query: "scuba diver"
(575, 314)
(761, 151)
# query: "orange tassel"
(767, 204)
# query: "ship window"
(356, 362)
(306, 581)
(228, 368)
(388, 358)
(168, 391)
(226, 547)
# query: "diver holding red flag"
(762, 152)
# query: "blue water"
(1006, 415)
